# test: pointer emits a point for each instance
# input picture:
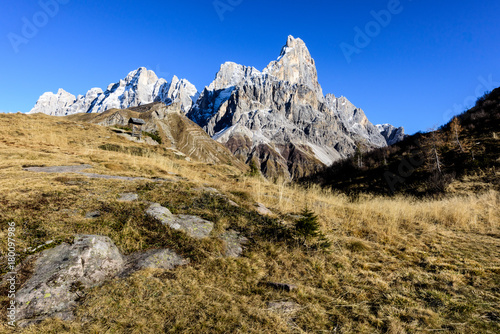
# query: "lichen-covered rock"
(233, 243)
(90, 260)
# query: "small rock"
(156, 258)
(233, 203)
(282, 286)
(234, 243)
(93, 214)
(128, 197)
(284, 307)
(263, 210)
(194, 226)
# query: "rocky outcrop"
(63, 273)
(391, 134)
(280, 117)
(138, 88)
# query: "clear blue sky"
(431, 56)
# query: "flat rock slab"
(155, 259)
(284, 307)
(87, 262)
(263, 210)
(234, 243)
(194, 226)
(128, 197)
(78, 170)
(58, 169)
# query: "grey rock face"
(280, 117)
(62, 274)
(88, 261)
(391, 134)
(138, 88)
(234, 243)
(194, 226)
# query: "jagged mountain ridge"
(139, 87)
(278, 116)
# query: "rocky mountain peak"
(141, 77)
(296, 66)
(391, 133)
(231, 74)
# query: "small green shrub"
(254, 169)
(153, 135)
(307, 229)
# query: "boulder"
(87, 262)
(233, 243)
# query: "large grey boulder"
(194, 226)
(90, 260)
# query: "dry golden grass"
(396, 264)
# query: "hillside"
(389, 264)
(461, 156)
(167, 127)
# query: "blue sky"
(414, 67)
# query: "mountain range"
(277, 117)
